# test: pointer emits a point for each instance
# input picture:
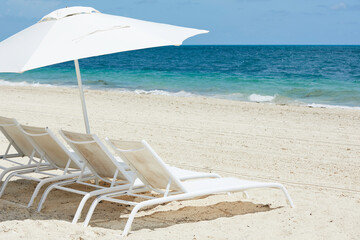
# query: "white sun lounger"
(106, 167)
(54, 153)
(155, 174)
(100, 162)
(21, 144)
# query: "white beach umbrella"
(80, 32)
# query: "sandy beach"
(314, 152)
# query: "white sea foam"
(316, 105)
(260, 98)
(24, 84)
(165, 93)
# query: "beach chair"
(155, 174)
(105, 167)
(114, 175)
(21, 144)
(61, 163)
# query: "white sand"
(314, 152)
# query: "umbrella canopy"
(80, 32)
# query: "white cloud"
(339, 6)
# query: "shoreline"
(253, 98)
(312, 151)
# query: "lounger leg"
(48, 180)
(44, 196)
(245, 194)
(290, 202)
(130, 220)
(80, 208)
(3, 173)
(94, 204)
(91, 210)
(6, 183)
(137, 208)
(35, 193)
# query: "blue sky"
(229, 21)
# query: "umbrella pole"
(83, 104)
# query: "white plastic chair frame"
(115, 186)
(77, 170)
(184, 192)
(6, 126)
(127, 178)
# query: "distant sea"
(306, 75)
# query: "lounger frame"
(128, 179)
(121, 179)
(169, 194)
(8, 127)
(68, 163)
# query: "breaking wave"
(260, 98)
(24, 84)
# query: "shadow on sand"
(62, 205)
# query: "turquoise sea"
(310, 75)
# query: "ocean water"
(310, 75)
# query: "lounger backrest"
(92, 151)
(147, 164)
(13, 133)
(55, 152)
